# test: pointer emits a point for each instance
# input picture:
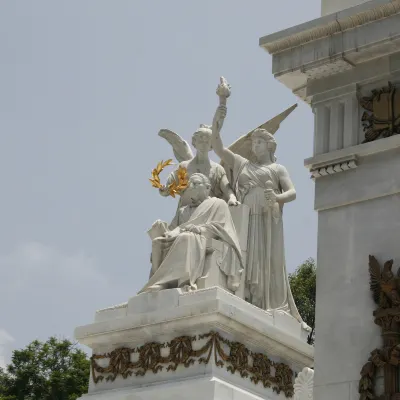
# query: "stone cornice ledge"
(197, 312)
(333, 167)
(329, 25)
(348, 155)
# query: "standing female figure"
(264, 186)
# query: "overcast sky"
(85, 85)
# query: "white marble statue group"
(209, 232)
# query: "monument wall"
(346, 66)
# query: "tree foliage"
(303, 283)
(54, 370)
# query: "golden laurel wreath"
(175, 187)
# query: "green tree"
(303, 283)
(54, 370)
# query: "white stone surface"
(145, 316)
(208, 388)
(164, 315)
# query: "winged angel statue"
(198, 163)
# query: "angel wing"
(375, 278)
(242, 146)
(180, 147)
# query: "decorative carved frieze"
(333, 167)
(382, 116)
(181, 351)
(386, 291)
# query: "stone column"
(331, 63)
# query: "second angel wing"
(242, 146)
(180, 147)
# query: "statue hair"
(204, 179)
(203, 129)
(268, 137)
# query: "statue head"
(201, 139)
(198, 188)
(263, 142)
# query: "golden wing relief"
(383, 284)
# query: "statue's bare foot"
(233, 283)
(155, 288)
(189, 288)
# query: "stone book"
(158, 229)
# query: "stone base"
(206, 344)
(194, 389)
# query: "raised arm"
(172, 177)
(288, 191)
(222, 152)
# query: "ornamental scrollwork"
(234, 356)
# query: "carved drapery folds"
(386, 291)
(181, 351)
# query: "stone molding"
(337, 26)
(171, 312)
(334, 167)
(361, 150)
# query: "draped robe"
(180, 260)
(266, 278)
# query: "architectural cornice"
(330, 25)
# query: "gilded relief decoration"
(385, 287)
(155, 357)
(382, 116)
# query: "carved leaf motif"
(303, 385)
(385, 287)
(175, 187)
(375, 278)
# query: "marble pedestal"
(206, 344)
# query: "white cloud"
(45, 292)
(5, 340)
(33, 260)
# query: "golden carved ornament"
(385, 287)
(176, 187)
(382, 116)
(233, 356)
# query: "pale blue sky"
(85, 85)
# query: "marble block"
(170, 343)
(198, 389)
